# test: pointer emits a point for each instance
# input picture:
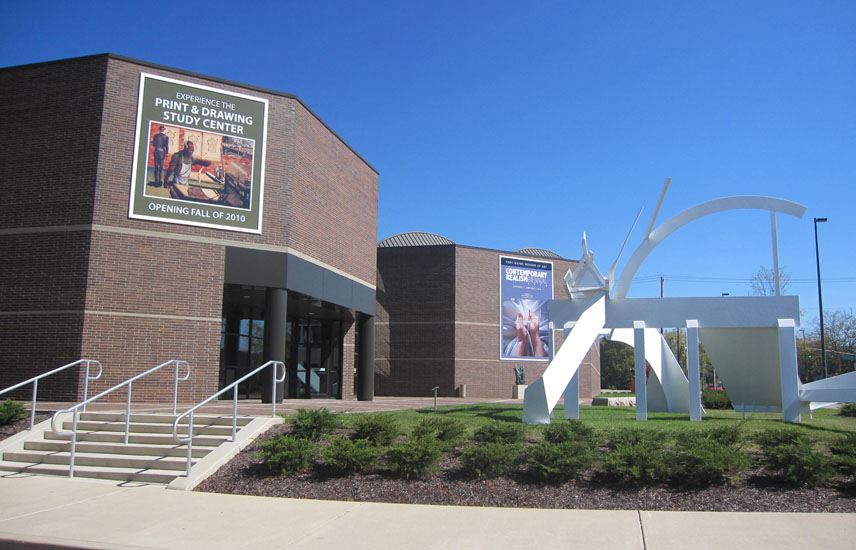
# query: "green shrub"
(775, 437)
(715, 399)
(449, 432)
(414, 458)
(632, 436)
(572, 430)
(490, 460)
(313, 424)
(701, 459)
(844, 455)
(636, 457)
(287, 454)
(848, 410)
(378, 428)
(500, 432)
(789, 455)
(559, 462)
(11, 412)
(346, 457)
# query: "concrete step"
(115, 474)
(151, 456)
(145, 439)
(144, 428)
(99, 460)
(117, 448)
(198, 420)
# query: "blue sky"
(509, 125)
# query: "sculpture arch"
(773, 205)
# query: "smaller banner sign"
(199, 156)
(526, 287)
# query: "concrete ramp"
(542, 396)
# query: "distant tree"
(763, 283)
(677, 340)
(839, 330)
(616, 365)
(809, 358)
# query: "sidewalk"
(51, 513)
(288, 406)
(42, 512)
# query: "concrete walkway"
(50, 513)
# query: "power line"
(702, 279)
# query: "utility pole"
(820, 297)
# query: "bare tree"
(840, 333)
(763, 283)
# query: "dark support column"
(276, 301)
(365, 368)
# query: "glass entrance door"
(315, 347)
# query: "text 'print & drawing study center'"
(153, 214)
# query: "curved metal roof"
(414, 238)
(540, 252)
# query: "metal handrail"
(35, 381)
(234, 387)
(129, 382)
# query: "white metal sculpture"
(752, 340)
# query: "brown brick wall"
(152, 290)
(116, 159)
(50, 134)
(477, 335)
(127, 346)
(34, 344)
(415, 335)
(333, 206)
(430, 296)
(50, 131)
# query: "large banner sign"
(199, 156)
(526, 287)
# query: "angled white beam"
(542, 395)
(657, 210)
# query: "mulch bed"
(23, 424)
(246, 474)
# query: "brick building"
(258, 243)
(440, 322)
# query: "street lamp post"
(820, 298)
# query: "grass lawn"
(824, 427)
